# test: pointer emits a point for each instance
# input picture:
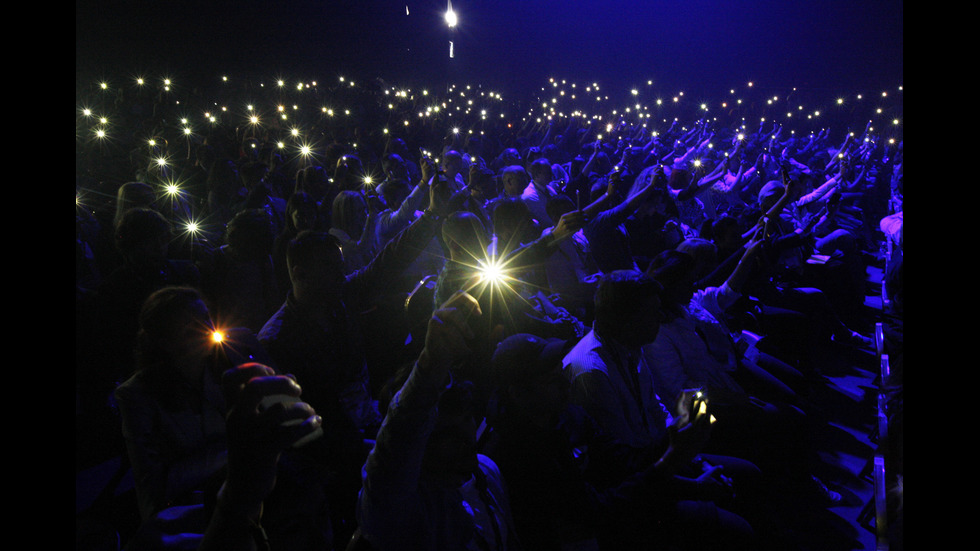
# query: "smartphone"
(697, 400)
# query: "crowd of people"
(550, 334)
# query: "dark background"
(701, 46)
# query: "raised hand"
(569, 223)
(265, 418)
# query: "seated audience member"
(316, 336)
(301, 215)
(142, 239)
(573, 487)
(314, 181)
(784, 257)
(513, 226)
(402, 200)
(610, 377)
(694, 349)
(226, 194)
(608, 237)
(133, 195)
(425, 487)
(260, 195)
(569, 269)
(539, 190)
(353, 224)
(239, 279)
(515, 181)
(452, 164)
(172, 407)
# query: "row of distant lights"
(676, 99)
(254, 119)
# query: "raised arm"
(790, 187)
(265, 419)
(393, 469)
(624, 210)
(736, 280)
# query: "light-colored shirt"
(615, 386)
(536, 197)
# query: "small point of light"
(217, 336)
